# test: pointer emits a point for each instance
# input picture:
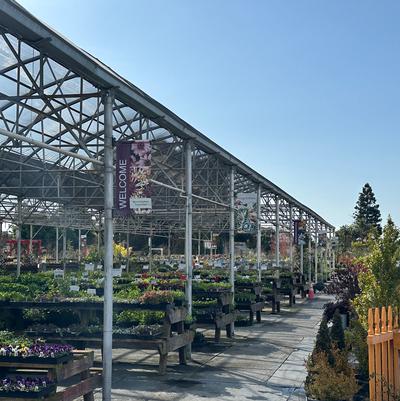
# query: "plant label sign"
(74, 288)
(117, 272)
(91, 291)
(89, 267)
(58, 273)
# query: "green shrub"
(330, 382)
(337, 332)
(356, 340)
(323, 341)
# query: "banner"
(322, 238)
(133, 178)
(246, 212)
(299, 232)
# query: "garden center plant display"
(20, 386)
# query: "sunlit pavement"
(264, 362)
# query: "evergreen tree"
(367, 215)
(337, 333)
(323, 341)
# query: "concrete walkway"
(263, 362)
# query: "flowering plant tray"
(43, 392)
(36, 359)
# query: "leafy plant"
(344, 282)
(380, 281)
(244, 297)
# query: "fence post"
(378, 357)
(371, 356)
(396, 369)
(390, 354)
(385, 342)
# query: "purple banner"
(133, 170)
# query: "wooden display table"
(174, 337)
(222, 315)
(80, 367)
(275, 296)
(253, 307)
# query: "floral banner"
(299, 232)
(246, 212)
(133, 178)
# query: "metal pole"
(98, 239)
(57, 236)
(259, 232)
(128, 254)
(188, 225)
(19, 234)
(79, 245)
(325, 267)
(30, 238)
(232, 237)
(291, 237)
(199, 244)
(333, 253)
(302, 258)
(169, 243)
(150, 254)
(108, 100)
(277, 245)
(64, 250)
(309, 252)
(316, 253)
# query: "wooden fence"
(383, 354)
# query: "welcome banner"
(246, 212)
(133, 171)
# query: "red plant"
(344, 282)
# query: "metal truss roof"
(51, 93)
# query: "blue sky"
(304, 91)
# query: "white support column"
(19, 234)
(259, 232)
(316, 252)
(30, 238)
(291, 237)
(79, 245)
(211, 242)
(108, 100)
(333, 253)
(57, 238)
(325, 267)
(309, 252)
(150, 254)
(169, 243)
(128, 254)
(302, 257)
(98, 237)
(188, 225)
(199, 245)
(277, 231)
(64, 248)
(232, 236)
